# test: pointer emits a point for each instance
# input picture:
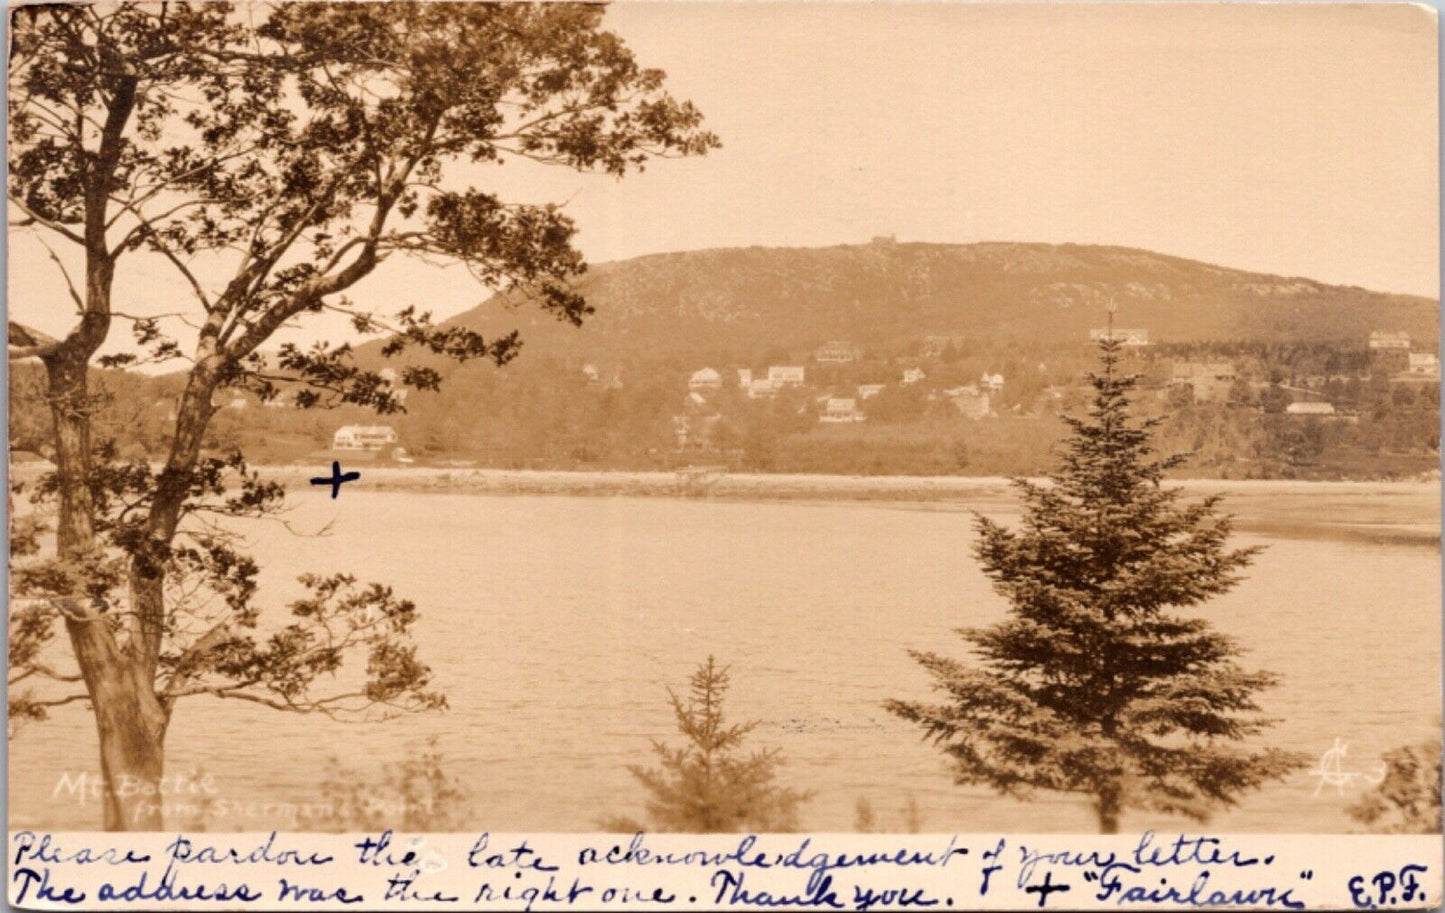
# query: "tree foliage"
(1407, 800)
(415, 795)
(1094, 684)
(274, 157)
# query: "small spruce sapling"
(709, 785)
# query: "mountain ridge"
(735, 299)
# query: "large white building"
(1134, 338)
(363, 437)
(1310, 408)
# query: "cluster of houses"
(1207, 381)
(972, 400)
(1211, 381)
(1422, 365)
(778, 377)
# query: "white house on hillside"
(836, 353)
(705, 379)
(1383, 339)
(760, 388)
(363, 437)
(1424, 364)
(1310, 408)
(913, 375)
(840, 409)
(785, 375)
(1129, 337)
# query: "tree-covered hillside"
(614, 392)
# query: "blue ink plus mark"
(1046, 888)
(338, 478)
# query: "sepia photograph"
(724, 418)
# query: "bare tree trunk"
(148, 570)
(130, 717)
(69, 396)
(1108, 806)
(131, 724)
(129, 720)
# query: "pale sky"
(1298, 139)
(1295, 139)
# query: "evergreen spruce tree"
(1094, 685)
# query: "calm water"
(555, 624)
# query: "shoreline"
(1401, 512)
(776, 486)
(1381, 513)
